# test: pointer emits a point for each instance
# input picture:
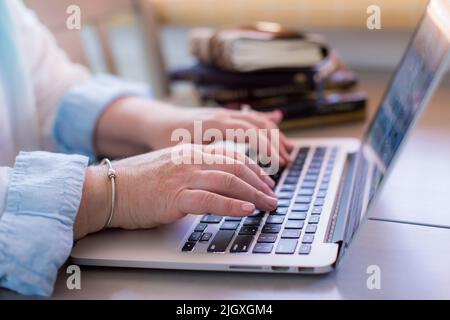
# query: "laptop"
(323, 194)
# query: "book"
(202, 74)
(341, 80)
(258, 47)
(331, 108)
(323, 119)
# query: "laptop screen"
(411, 87)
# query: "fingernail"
(272, 194)
(269, 181)
(272, 202)
(248, 207)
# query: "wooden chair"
(97, 14)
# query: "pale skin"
(151, 188)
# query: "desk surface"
(414, 259)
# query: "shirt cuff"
(36, 228)
(4, 183)
(80, 108)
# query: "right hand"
(152, 189)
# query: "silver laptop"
(323, 195)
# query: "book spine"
(324, 119)
(318, 106)
(224, 95)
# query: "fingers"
(257, 139)
(230, 185)
(275, 116)
(230, 153)
(202, 202)
(261, 121)
(236, 168)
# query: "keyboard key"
(188, 246)
(308, 238)
(294, 224)
(201, 227)
(300, 207)
(286, 195)
(316, 210)
(252, 221)
(248, 230)
(298, 164)
(303, 199)
(233, 218)
(257, 213)
(323, 186)
(206, 236)
(221, 241)
(287, 188)
(320, 150)
(286, 246)
(242, 243)
(313, 171)
(309, 184)
(311, 228)
(303, 150)
(275, 219)
(263, 248)
(297, 216)
(304, 249)
(311, 177)
(267, 237)
(280, 211)
(284, 203)
(271, 228)
(314, 219)
(291, 180)
(319, 202)
(229, 225)
(211, 219)
(306, 192)
(294, 174)
(321, 194)
(195, 236)
(291, 233)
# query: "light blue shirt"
(44, 189)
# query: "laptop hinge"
(351, 203)
(336, 226)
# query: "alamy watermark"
(73, 21)
(373, 21)
(373, 281)
(73, 281)
(263, 146)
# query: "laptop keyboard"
(290, 228)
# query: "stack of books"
(267, 67)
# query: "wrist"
(96, 199)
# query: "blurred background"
(142, 39)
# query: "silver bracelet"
(112, 177)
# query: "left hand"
(136, 125)
(159, 120)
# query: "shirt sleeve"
(36, 226)
(81, 107)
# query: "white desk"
(414, 259)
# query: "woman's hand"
(161, 187)
(135, 125)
